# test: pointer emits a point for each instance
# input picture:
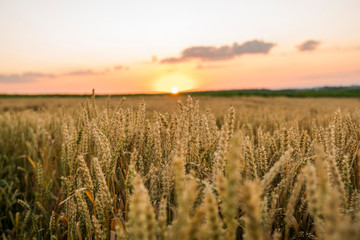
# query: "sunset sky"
(154, 46)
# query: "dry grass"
(220, 168)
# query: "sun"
(174, 90)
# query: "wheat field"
(167, 167)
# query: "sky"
(155, 46)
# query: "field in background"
(169, 103)
(337, 92)
(150, 167)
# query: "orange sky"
(141, 47)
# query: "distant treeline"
(353, 91)
(318, 92)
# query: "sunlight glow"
(174, 83)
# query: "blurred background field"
(253, 107)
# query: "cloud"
(253, 47)
(25, 77)
(309, 45)
(84, 73)
(33, 76)
(173, 60)
(210, 53)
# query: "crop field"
(177, 167)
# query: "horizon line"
(149, 93)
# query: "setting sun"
(174, 90)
